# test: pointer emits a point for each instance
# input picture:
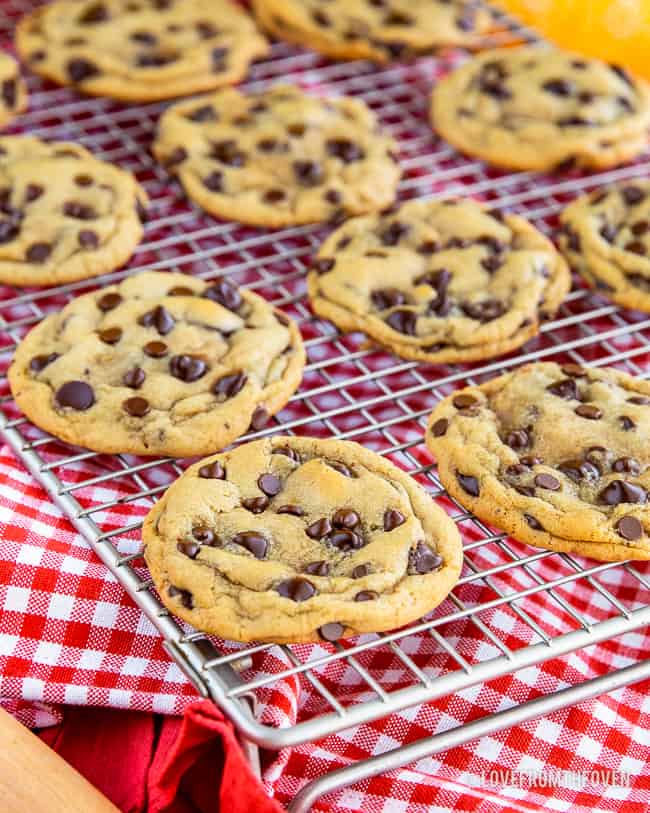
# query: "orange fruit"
(613, 30)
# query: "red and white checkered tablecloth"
(70, 634)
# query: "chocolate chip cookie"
(556, 455)
(140, 50)
(297, 539)
(13, 92)
(439, 281)
(161, 364)
(375, 29)
(606, 236)
(64, 215)
(542, 109)
(280, 157)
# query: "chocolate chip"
(155, 60)
(189, 549)
(227, 152)
(160, 318)
(345, 518)
(253, 542)
(620, 491)
(384, 298)
(344, 149)
(293, 510)
(558, 87)
(76, 395)
(287, 452)
(627, 424)
(88, 239)
(205, 536)
(187, 368)
(256, 505)
(548, 482)
(175, 157)
(323, 265)
(622, 74)
(403, 321)
(640, 400)
(573, 121)
(155, 350)
(626, 464)
(308, 173)
(468, 484)
(80, 211)
(134, 378)
(518, 439)
(608, 232)
(136, 407)
(440, 427)
(38, 252)
(360, 571)
(527, 491)
(394, 233)
(393, 519)
(94, 14)
(332, 631)
(321, 568)
(269, 484)
(212, 471)
(219, 59)
(9, 229)
(79, 69)
(492, 264)
(297, 130)
(589, 411)
(204, 113)
(366, 595)
(578, 470)
(632, 195)
(464, 401)
(423, 560)
(341, 468)
(345, 540)
(296, 589)
(214, 181)
(260, 418)
(333, 196)
(274, 195)
(566, 388)
(9, 92)
(319, 529)
(180, 290)
(206, 29)
(535, 524)
(225, 293)
(184, 596)
(39, 363)
(629, 528)
(485, 311)
(143, 37)
(636, 247)
(110, 335)
(230, 385)
(267, 144)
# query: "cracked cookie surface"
(140, 50)
(13, 91)
(375, 29)
(439, 281)
(297, 539)
(606, 237)
(64, 215)
(541, 109)
(555, 455)
(280, 157)
(161, 364)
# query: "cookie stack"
(300, 539)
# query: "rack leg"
(383, 763)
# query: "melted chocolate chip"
(159, 318)
(205, 536)
(230, 385)
(332, 631)
(88, 239)
(189, 549)
(394, 233)
(366, 595)
(227, 152)
(256, 505)
(134, 378)
(629, 528)
(344, 149)
(39, 363)
(640, 400)
(76, 395)
(187, 368)
(393, 519)
(469, 484)
(259, 418)
(321, 568)
(155, 350)
(110, 335)
(214, 181)
(620, 491)
(440, 427)
(589, 411)
(464, 401)
(136, 407)
(535, 524)
(212, 471)
(274, 195)
(323, 265)
(518, 439)
(345, 518)
(184, 596)
(485, 311)
(293, 510)
(578, 470)
(204, 113)
(287, 451)
(403, 321)
(38, 252)
(341, 468)
(626, 464)
(269, 484)
(423, 560)
(80, 211)
(253, 542)
(548, 482)
(627, 424)
(296, 589)
(94, 14)
(225, 293)
(360, 571)
(385, 298)
(566, 388)
(33, 192)
(308, 173)
(319, 529)
(79, 69)
(345, 540)
(558, 87)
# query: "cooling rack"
(354, 392)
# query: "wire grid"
(349, 391)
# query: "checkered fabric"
(70, 634)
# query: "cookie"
(161, 364)
(543, 109)
(377, 30)
(64, 215)
(140, 51)
(606, 237)
(556, 455)
(439, 281)
(13, 92)
(298, 539)
(280, 157)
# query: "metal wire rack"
(349, 391)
